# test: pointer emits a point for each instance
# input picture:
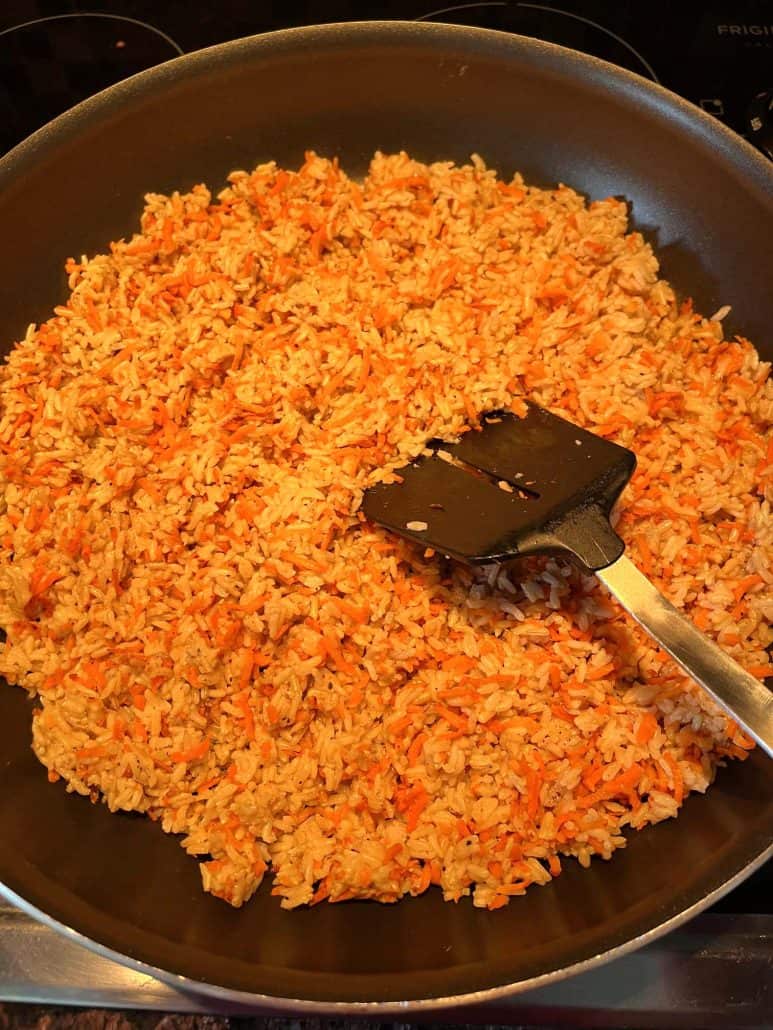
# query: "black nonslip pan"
(703, 198)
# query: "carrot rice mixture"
(217, 638)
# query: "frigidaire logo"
(745, 30)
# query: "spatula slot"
(515, 484)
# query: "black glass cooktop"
(718, 55)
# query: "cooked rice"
(216, 637)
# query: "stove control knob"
(759, 119)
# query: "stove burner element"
(50, 64)
(551, 24)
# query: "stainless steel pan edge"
(269, 1004)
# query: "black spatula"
(540, 484)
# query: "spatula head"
(517, 486)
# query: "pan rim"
(249, 999)
(638, 91)
(633, 90)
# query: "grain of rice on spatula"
(540, 484)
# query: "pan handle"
(743, 697)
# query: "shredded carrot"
(597, 672)
(453, 718)
(533, 788)
(676, 775)
(648, 726)
(243, 703)
(192, 754)
(561, 713)
(499, 901)
(85, 754)
(419, 799)
(745, 584)
(760, 671)
(414, 751)
(512, 889)
(459, 664)
(358, 613)
(621, 784)
(247, 665)
(397, 727)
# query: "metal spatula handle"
(743, 697)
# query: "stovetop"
(717, 55)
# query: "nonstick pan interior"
(706, 202)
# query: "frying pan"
(701, 195)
